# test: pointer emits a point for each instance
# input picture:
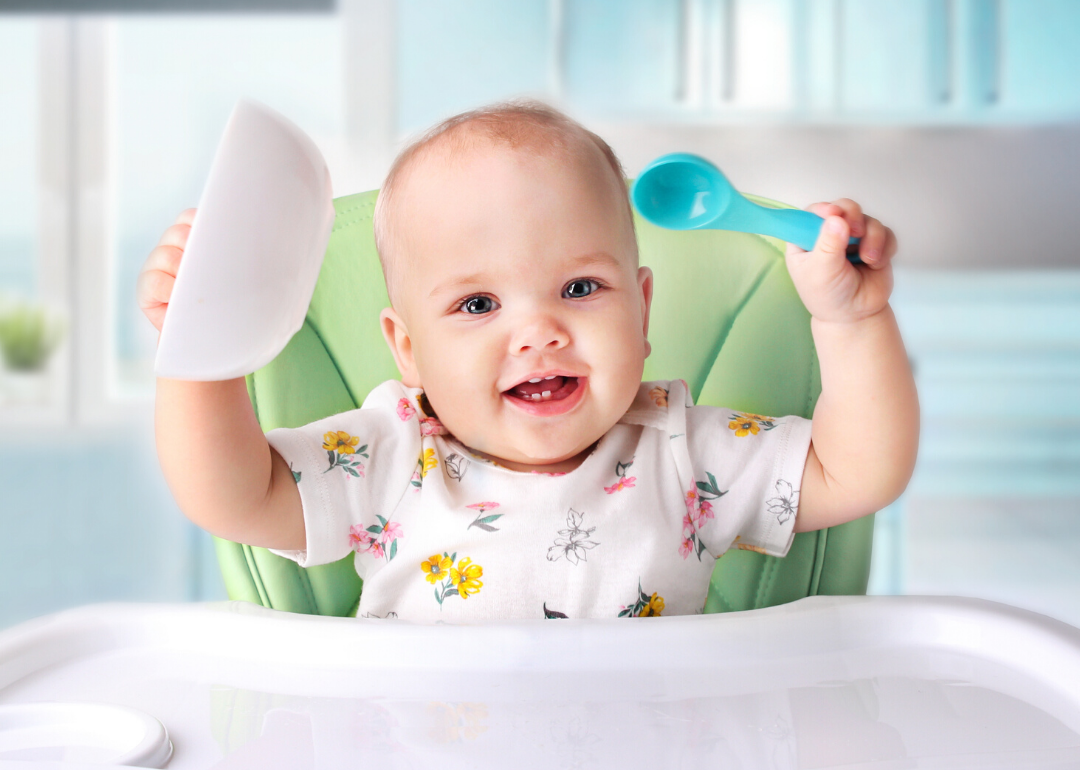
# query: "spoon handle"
(798, 227)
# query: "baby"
(520, 468)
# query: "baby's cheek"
(461, 396)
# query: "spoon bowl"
(682, 192)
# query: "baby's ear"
(397, 338)
(645, 284)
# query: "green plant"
(28, 336)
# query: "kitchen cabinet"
(1039, 60)
(913, 62)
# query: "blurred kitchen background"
(957, 122)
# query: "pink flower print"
(688, 525)
(705, 512)
(429, 426)
(686, 548)
(692, 501)
(482, 521)
(405, 410)
(358, 538)
(391, 532)
(482, 506)
(622, 483)
(378, 539)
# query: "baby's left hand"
(832, 288)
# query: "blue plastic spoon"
(686, 192)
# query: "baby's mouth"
(554, 388)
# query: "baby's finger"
(825, 210)
(175, 235)
(890, 244)
(186, 217)
(153, 290)
(872, 245)
(833, 239)
(165, 259)
(853, 213)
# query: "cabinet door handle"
(942, 66)
(728, 58)
(682, 52)
(986, 42)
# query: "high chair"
(725, 318)
(826, 682)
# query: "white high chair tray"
(825, 682)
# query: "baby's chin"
(540, 456)
(544, 464)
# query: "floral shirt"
(438, 533)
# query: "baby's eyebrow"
(595, 258)
(454, 284)
(478, 279)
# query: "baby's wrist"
(855, 322)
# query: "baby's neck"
(563, 466)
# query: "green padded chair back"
(725, 318)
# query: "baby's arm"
(866, 424)
(224, 475)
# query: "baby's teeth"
(535, 396)
(546, 394)
(536, 380)
(552, 377)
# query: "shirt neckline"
(452, 441)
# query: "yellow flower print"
(427, 462)
(340, 442)
(436, 567)
(654, 607)
(748, 547)
(464, 576)
(745, 424)
(462, 580)
(754, 548)
(342, 452)
(659, 396)
(646, 606)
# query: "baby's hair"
(518, 123)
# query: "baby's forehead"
(428, 187)
(457, 153)
(457, 161)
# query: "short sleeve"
(351, 469)
(747, 471)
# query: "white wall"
(957, 197)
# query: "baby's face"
(520, 267)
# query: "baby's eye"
(478, 305)
(580, 287)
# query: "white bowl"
(254, 252)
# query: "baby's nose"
(538, 333)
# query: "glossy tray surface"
(825, 682)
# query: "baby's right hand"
(155, 282)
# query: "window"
(18, 157)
